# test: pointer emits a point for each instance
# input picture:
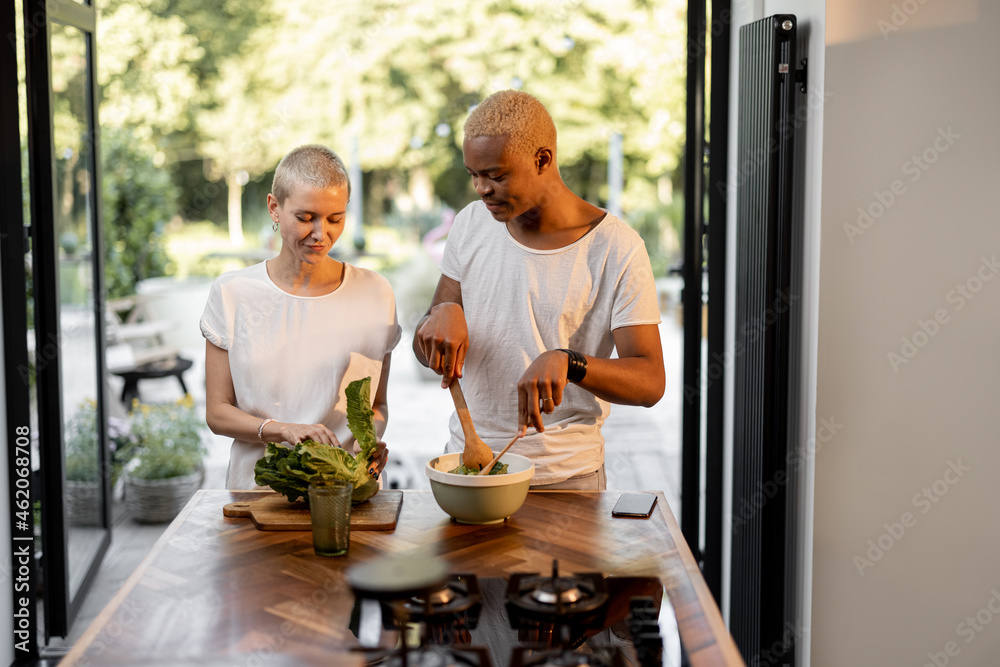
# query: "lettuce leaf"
(497, 469)
(290, 471)
(360, 418)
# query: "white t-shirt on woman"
(291, 357)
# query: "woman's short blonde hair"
(311, 164)
(516, 115)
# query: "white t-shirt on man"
(520, 302)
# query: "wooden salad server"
(477, 453)
(487, 468)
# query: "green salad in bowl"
(498, 469)
(480, 499)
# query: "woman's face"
(310, 220)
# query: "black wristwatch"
(577, 368)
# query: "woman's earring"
(274, 225)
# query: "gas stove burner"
(563, 589)
(460, 592)
(555, 597)
(437, 598)
(432, 656)
(525, 657)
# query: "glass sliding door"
(19, 435)
(67, 281)
(75, 266)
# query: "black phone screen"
(634, 504)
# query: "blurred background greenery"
(199, 101)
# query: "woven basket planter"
(160, 500)
(83, 503)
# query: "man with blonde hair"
(528, 312)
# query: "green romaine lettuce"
(497, 469)
(289, 471)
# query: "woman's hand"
(296, 433)
(379, 459)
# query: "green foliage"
(290, 471)
(139, 199)
(497, 469)
(82, 445)
(168, 440)
(216, 89)
(146, 70)
(360, 418)
(649, 225)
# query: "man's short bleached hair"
(516, 115)
(311, 164)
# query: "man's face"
(507, 183)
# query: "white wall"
(811, 18)
(931, 89)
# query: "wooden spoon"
(488, 468)
(477, 453)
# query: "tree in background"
(223, 90)
(139, 200)
(232, 136)
(146, 74)
(401, 78)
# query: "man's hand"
(636, 377)
(540, 389)
(443, 340)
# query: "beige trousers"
(591, 481)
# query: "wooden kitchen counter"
(217, 591)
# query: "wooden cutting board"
(274, 512)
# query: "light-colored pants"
(591, 481)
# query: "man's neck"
(556, 223)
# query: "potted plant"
(83, 493)
(166, 468)
(83, 474)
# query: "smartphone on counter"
(634, 505)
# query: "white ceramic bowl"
(480, 500)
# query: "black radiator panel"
(761, 568)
